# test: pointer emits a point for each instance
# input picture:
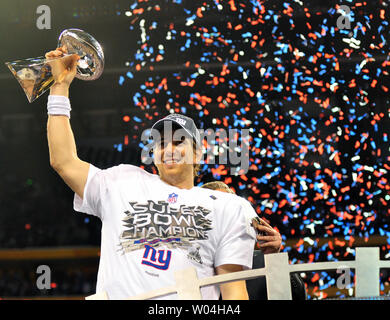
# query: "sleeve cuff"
(82, 204)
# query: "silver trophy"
(35, 76)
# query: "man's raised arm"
(62, 146)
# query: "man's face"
(174, 155)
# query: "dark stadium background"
(304, 175)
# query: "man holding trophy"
(152, 225)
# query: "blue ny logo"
(157, 259)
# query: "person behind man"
(269, 241)
(152, 225)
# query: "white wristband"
(58, 106)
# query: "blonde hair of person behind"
(217, 185)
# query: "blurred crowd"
(66, 281)
(37, 215)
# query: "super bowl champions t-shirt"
(151, 229)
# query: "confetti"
(313, 96)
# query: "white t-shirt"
(151, 229)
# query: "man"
(270, 241)
(152, 225)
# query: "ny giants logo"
(157, 259)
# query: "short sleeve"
(249, 214)
(91, 201)
(237, 236)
